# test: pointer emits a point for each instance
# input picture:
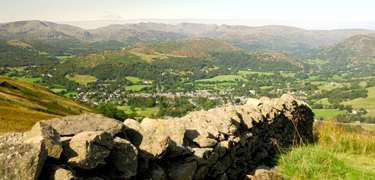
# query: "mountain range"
(263, 38)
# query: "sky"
(313, 14)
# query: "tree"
(111, 111)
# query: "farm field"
(370, 127)
(147, 112)
(251, 72)
(82, 79)
(367, 103)
(222, 78)
(324, 101)
(68, 94)
(132, 79)
(329, 86)
(57, 90)
(136, 87)
(29, 79)
(150, 58)
(326, 114)
(227, 84)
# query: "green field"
(312, 78)
(367, 103)
(336, 77)
(29, 79)
(147, 112)
(250, 72)
(133, 79)
(136, 87)
(68, 94)
(150, 58)
(324, 101)
(328, 86)
(65, 57)
(227, 84)
(370, 127)
(209, 86)
(82, 79)
(288, 74)
(222, 78)
(55, 90)
(326, 113)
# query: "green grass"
(328, 86)
(370, 127)
(367, 103)
(150, 58)
(82, 79)
(288, 74)
(132, 79)
(65, 57)
(209, 86)
(138, 111)
(68, 94)
(312, 78)
(336, 77)
(57, 90)
(227, 84)
(339, 152)
(250, 72)
(327, 113)
(324, 101)
(322, 162)
(222, 78)
(136, 87)
(29, 79)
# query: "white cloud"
(111, 15)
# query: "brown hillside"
(23, 103)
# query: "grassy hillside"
(356, 48)
(339, 152)
(23, 103)
(194, 47)
(263, 38)
(40, 30)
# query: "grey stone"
(88, 149)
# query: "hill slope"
(40, 30)
(194, 47)
(23, 103)
(263, 38)
(358, 48)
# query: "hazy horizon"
(319, 14)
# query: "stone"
(181, 171)
(253, 101)
(58, 172)
(156, 172)
(88, 149)
(123, 160)
(200, 155)
(42, 132)
(216, 169)
(72, 125)
(152, 144)
(201, 172)
(205, 142)
(175, 130)
(265, 173)
(22, 160)
(13, 137)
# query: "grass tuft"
(339, 152)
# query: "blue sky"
(88, 10)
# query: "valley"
(163, 71)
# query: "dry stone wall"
(222, 143)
